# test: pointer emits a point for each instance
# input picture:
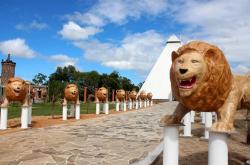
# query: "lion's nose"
(182, 71)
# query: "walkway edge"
(152, 156)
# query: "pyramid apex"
(173, 39)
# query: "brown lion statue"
(143, 95)
(202, 81)
(120, 95)
(149, 96)
(16, 90)
(102, 95)
(71, 94)
(132, 95)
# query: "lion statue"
(143, 95)
(202, 81)
(16, 90)
(120, 95)
(149, 96)
(71, 94)
(132, 95)
(102, 95)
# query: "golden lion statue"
(143, 95)
(102, 95)
(149, 96)
(120, 95)
(71, 94)
(132, 95)
(202, 81)
(16, 90)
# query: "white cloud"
(73, 31)
(137, 51)
(33, 25)
(87, 18)
(118, 11)
(63, 60)
(17, 47)
(241, 69)
(225, 23)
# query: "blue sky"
(122, 35)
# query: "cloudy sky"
(122, 35)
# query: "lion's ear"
(212, 54)
(174, 55)
(11, 80)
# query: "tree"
(40, 79)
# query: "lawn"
(45, 109)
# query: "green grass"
(45, 109)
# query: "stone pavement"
(117, 139)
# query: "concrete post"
(117, 106)
(203, 117)
(4, 118)
(217, 149)
(140, 104)
(130, 104)
(106, 108)
(192, 116)
(124, 106)
(78, 113)
(171, 145)
(64, 113)
(208, 124)
(187, 123)
(97, 108)
(136, 104)
(25, 117)
(145, 103)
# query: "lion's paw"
(168, 120)
(222, 127)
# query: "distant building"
(8, 70)
(40, 93)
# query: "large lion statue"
(143, 95)
(132, 95)
(102, 95)
(149, 96)
(71, 94)
(120, 95)
(16, 90)
(202, 81)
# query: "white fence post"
(217, 149)
(25, 117)
(4, 118)
(171, 145)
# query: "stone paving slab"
(124, 138)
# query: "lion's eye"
(181, 61)
(194, 61)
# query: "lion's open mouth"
(16, 90)
(188, 83)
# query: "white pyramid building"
(158, 80)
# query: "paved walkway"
(118, 139)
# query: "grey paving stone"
(123, 138)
